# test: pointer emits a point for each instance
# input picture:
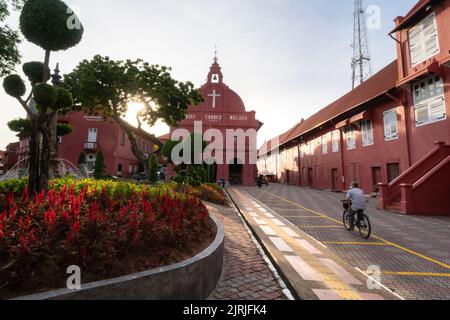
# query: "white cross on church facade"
(214, 95)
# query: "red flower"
(76, 228)
(50, 217)
(25, 195)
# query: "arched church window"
(215, 78)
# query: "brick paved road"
(246, 275)
(413, 252)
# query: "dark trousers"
(351, 216)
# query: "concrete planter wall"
(193, 279)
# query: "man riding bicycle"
(356, 196)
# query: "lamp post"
(53, 163)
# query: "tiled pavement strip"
(247, 273)
(413, 253)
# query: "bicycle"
(362, 221)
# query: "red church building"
(391, 134)
(222, 110)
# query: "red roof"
(164, 138)
(374, 87)
(421, 5)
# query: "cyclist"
(356, 196)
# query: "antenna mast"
(361, 61)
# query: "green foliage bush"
(99, 167)
(45, 95)
(34, 70)
(153, 169)
(14, 86)
(45, 23)
(64, 101)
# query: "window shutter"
(437, 109)
(421, 113)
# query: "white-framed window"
(367, 133)
(311, 148)
(390, 125)
(423, 40)
(429, 101)
(351, 137)
(302, 151)
(335, 138)
(92, 135)
(325, 144)
(122, 138)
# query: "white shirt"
(356, 195)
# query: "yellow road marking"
(321, 227)
(417, 274)
(359, 243)
(442, 264)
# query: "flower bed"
(108, 229)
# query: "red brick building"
(91, 134)
(2, 162)
(222, 110)
(391, 134)
(11, 156)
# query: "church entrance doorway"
(236, 170)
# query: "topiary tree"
(99, 167)
(51, 25)
(153, 169)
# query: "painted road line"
(381, 244)
(308, 247)
(305, 271)
(442, 264)
(416, 274)
(278, 222)
(342, 274)
(327, 295)
(281, 244)
(268, 231)
(290, 232)
(380, 284)
(319, 227)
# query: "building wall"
(109, 141)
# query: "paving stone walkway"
(246, 274)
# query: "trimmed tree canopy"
(45, 95)
(64, 101)
(35, 72)
(14, 86)
(50, 24)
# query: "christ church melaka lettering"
(238, 118)
(213, 117)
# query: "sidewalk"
(246, 275)
(313, 270)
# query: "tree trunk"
(33, 174)
(46, 132)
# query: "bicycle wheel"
(364, 227)
(346, 219)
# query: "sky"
(287, 59)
